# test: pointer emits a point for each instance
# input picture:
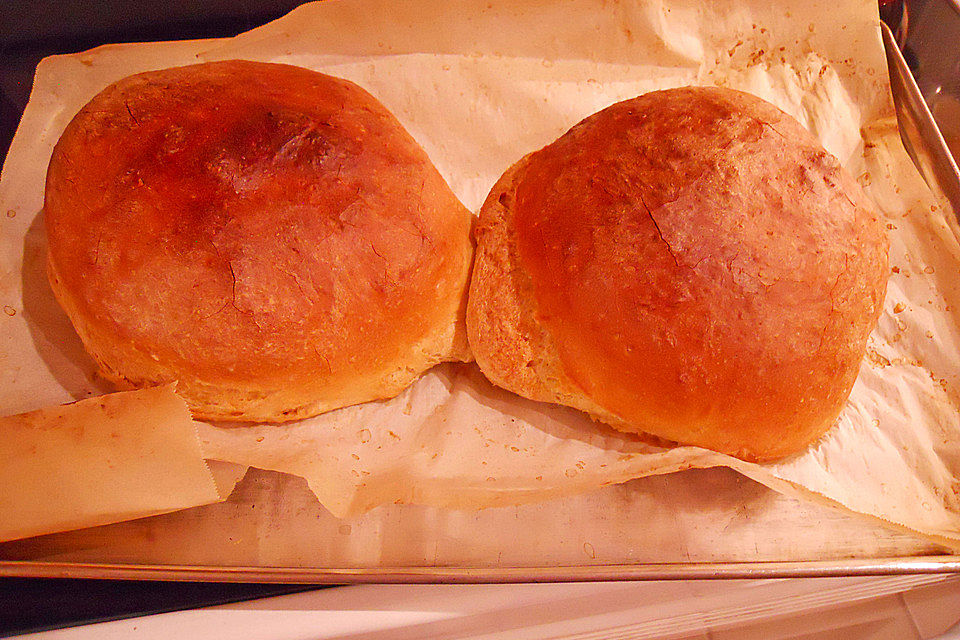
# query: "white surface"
(900, 607)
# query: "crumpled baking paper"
(479, 85)
(116, 457)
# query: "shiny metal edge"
(918, 130)
(477, 575)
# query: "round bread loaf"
(268, 236)
(690, 264)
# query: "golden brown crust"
(270, 237)
(691, 264)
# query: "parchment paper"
(480, 84)
(108, 459)
(700, 515)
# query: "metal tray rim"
(473, 575)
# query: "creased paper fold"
(117, 457)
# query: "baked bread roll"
(690, 264)
(267, 236)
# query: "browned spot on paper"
(589, 550)
(10, 311)
(877, 359)
(364, 435)
(897, 308)
(11, 213)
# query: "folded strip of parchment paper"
(102, 460)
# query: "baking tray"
(272, 530)
(918, 128)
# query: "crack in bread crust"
(690, 263)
